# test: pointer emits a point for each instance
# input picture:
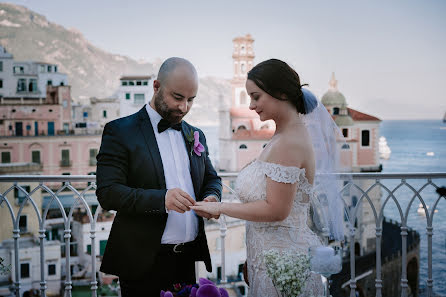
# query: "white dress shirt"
(180, 227)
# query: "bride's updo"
(280, 81)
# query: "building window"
(243, 147)
(89, 249)
(62, 83)
(24, 270)
(1, 83)
(49, 82)
(65, 160)
(66, 128)
(365, 138)
(23, 224)
(35, 157)
(145, 83)
(19, 69)
(85, 114)
(32, 86)
(55, 68)
(20, 195)
(104, 114)
(51, 269)
(218, 272)
(49, 68)
(138, 82)
(102, 245)
(6, 157)
(42, 68)
(93, 153)
(345, 132)
(131, 83)
(1, 66)
(336, 110)
(21, 85)
(345, 146)
(139, 98)
(124, 83)
(241, 127)
(127, 96)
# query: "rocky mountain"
(91, 71)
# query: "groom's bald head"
(174, 89)
(176, 65)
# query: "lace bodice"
(251, 186)
(293, 233)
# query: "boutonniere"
(193, 138)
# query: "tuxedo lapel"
(186, 130)
(147, 130)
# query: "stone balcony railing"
(419, 188)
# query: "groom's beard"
(172, 115)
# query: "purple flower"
(193, 292)
(208, 290)
(166, 294)
(198, 147)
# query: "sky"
(389, 57)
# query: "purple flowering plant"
(193, 137)
(206, 288)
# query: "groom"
(151, 168)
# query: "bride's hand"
(213, 208)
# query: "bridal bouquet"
(288, 270)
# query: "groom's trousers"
(174, 264)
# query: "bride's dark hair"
(279, 80)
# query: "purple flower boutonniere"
(193, 137)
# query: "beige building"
(28, 222)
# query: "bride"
(277, 188)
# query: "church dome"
(333, 96)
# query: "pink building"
(39, 130)
(50, 115)
(361, 131)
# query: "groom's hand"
(178, 200)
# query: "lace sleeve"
(282, 174)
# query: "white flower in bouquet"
(288, 270)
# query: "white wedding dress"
(291, 234)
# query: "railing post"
(430, 281)
(223, 229)
(43, 286)
(404, 261)
(93, 283)
(352, 262)
(378, 280)
(16, 236)
(68, 282)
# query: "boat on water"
(444, 118)
(384, 149)
(421, 211)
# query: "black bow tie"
(164, 124)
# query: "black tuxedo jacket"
(130, 180)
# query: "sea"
(417, 146)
